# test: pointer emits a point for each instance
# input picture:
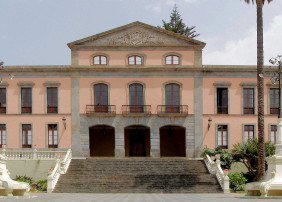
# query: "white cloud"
(244, 51)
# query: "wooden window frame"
(248, 130)
(53, 136)
(220, 109)
(172, 60)
(26, 109)
(222, 130)
(275, 133)
(135, 56)
(172, 108)
(249, 109)
(24, 145)
(3, 101)
(273, 110)
(100, 59)
(3, 128)
(52, 107)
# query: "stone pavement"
(84, 197)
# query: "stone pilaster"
(198, 110)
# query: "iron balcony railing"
(104, 109)
(26, 110)
(172, 109)
(136, 109)
(52, 109)
(3, 110)
(249, 110)
(222, 110)
(274, 110)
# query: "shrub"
(225, 156)
(237, 181)
(26, 179)
(41, 185)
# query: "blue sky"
(35, 32)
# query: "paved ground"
(135, 197)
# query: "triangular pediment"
(136, 34)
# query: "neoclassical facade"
(134, 91)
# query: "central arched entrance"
(137, 141)
(172, 141)
(102, 141)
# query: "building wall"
(152, 57)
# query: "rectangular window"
(248, 132)
(3, 100)
(222, 100)
(26, 100)
(52, 136)
(274, 100)
(222, 136)
(52, 100)
(273, 132)
(248, 97)
(3, 135)
(26, 136)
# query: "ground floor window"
(222, 136)
(248, 132)
(52, 136)
(273, 132)
(3, 135)
(26, 136)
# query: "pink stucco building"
(136, 90)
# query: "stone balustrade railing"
(32, 154)
(61, 167)
(214, 167)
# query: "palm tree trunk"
(260, 86)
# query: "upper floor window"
(222, 100)
(273, 132)
(248, 98)
(101, 97)
(3, 135)
(26, 136)
(222, 136)
(172, 98)
(52, 136)
(135, 60)
(172, 60)
(26, 100)
(136, 100)
(2, 100)
(274, 100)
(52, 100)
(100, 60)
(248, 132)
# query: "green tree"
(260, 85)
(176, 25)
(248, 154)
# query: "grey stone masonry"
(120, 122)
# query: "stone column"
(119, 141)
(75, 117)
(198, 110)
(155, 142)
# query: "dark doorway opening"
(137, 141)
(102, 141)
(172, 141)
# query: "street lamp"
(277, 77)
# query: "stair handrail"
(61, 167)
(214, 167)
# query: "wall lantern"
(209, 124)
(64, 122)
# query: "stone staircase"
(137, 175)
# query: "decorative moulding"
(221, 83)
(26, 83)
(274, 85)
(52, 83)
(248, 84)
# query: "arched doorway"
(102, 141)
(137, 141)
(172, 141)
